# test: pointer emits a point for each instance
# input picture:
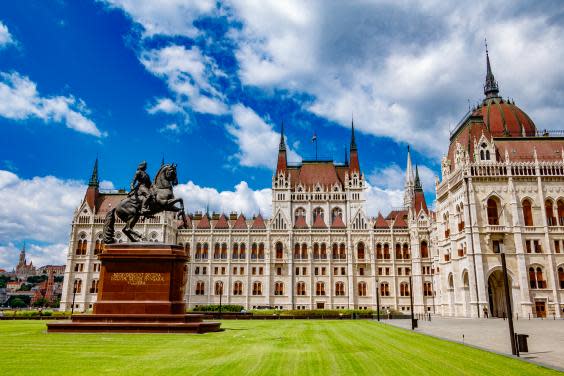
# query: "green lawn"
(284, 347)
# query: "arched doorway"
(496, 294)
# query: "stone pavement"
(546, 337)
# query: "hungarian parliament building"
(501, 191)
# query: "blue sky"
(207, 84)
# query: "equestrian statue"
(144, 201)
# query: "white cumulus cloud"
(171, 17)
(40, 211)
(240, 199)
(20, 100)
(40, 208)
(406, 69)
(257, 141)
(393, 177)
(5, 37)
(187, 73)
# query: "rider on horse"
(142, 190)
(145, 199)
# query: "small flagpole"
(314, 139)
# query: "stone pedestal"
(141, 289)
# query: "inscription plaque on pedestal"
(141, 289)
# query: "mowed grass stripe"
(281, 347)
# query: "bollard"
(529, 316)
(463, 339)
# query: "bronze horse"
(129, 209)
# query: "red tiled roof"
(311, 173)
(204, 223)
(400, 222)
(381, 222)
(258, 223)
(504, 118)
(494, 118)
(240, 223)
(180, 223)
(394, 213)
(222, 223)
(354, 165)
(319, 222)
(420, 202)
(521, 150)
(107, 201)
(282, 163)
(338, 222)
(466, 137)
(300, 222)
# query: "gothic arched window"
(493, 216)
(527, 213)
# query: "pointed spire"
(282, 141)
(354, 164)
(94, 182)
(409, 169)
(418, 187)
(491, 89)
(282, 162)
(353, 141)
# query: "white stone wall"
(469, 188)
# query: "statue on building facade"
(145, 200)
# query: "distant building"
(23, 269)
(48, 289)
(58, 270)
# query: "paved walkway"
(546, 337)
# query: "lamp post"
(411, 304)
(378, 299)
(220, 295)
(73, 297)
(508, 306)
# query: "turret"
(282, 160)
(409, 182)
(491, 90)
(93, 187)
(354, 165)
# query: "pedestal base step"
(133, 327)
(187, 323)
(138, 318)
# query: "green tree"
(36, 279)
(41, 302)
(4, 279)
(17, 303)
(25, 287)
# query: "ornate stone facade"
(501, 191)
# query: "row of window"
(493, 212)
(77, 288)
(238, 251)
(301, 288)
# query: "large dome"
(504, 118)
